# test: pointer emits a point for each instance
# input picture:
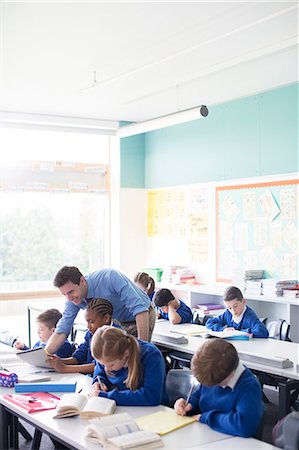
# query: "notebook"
(41, 401)
(163, 422)
(79, 404)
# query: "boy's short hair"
(163, 297)
(49, 317)
(67, 274)
(232, 293)
(214, 360)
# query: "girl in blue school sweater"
(229, 398)
(238, 316)
(129, 371)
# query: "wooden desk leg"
(4, 428)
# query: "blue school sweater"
(83, 353)
(150, 392)
(183, 311)
(235, 411)
(250, 323)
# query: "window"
(54, 200)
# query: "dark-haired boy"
(229, 397)
(170, 308)
(238, 316)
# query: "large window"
(54, 200)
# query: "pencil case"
(8, 379)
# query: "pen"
(190, 393)
(80, 390)
(100, 383)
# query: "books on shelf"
(79, 404)
(35, 356)
(46, 387)
(163, 422)
(41, 401)
(121, 432)
(283, 285)
(291, 293)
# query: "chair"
(278, 329)
(178, 384)
(178, 360)
(286, 432)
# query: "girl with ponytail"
(129, 371)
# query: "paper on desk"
(189, 329)
(163, 422)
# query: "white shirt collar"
(237, 319)
(234, 379)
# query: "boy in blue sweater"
(170, 308)
(229, 398)
(238, 316)
(46, 323)
(128, 370)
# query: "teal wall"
(132, 162)
(249, 137)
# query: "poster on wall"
(257, 228)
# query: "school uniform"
(64, 351)
(183, 311)
(151, 389)
(248, 322)
(236, 409)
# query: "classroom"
(155, 137)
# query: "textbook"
(163, 422)
(35, 357)
(121, 432)
(231, 335)
(46, 387)
(79, 404)
(170, 338)
(41, 401)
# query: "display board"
(257, 228)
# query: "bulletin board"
(257, 228)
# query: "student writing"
(98, 313)
(46, 323)
(128, 370)
(229, 398)
(170, 308)
(238, 316)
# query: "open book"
(228, 334)
(121, 432)
(202, 331)
(87, 408)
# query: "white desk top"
(237, 443)
(259, 347)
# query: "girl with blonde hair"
(129, 371)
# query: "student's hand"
(181, 407)
(196, 417)
(56, 363)
(94, 393)
(229, 329)
(158, 315)
(19, 345)
(100, 386)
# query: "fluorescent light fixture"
(186, 115)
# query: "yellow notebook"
(163, 422)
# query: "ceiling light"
(186, 115)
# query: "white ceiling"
(149, 58)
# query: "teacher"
(132, 308)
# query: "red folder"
(40, 401)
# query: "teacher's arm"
(142, 323)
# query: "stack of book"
(209, 309)
(288, 286)
(269, 287)
(253, 281)
(179, 275)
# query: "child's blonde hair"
(147, 282)
(111, 343)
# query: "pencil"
(189, 393)
(100, 383)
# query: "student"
(131, 306)
(128, 370)
(98, 313)
(146, 283)
(229, 397)
(170, 308)
(46, 323)
(238, 316)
